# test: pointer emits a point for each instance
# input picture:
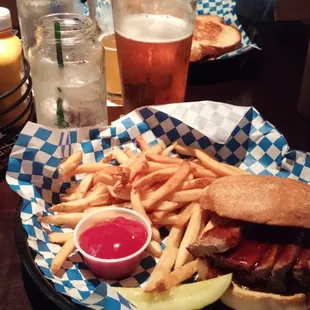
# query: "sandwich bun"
(239, 298)
(265, 200)
(212, 37)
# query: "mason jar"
(30, 11)
(68, 72)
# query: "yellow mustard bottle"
(11, 69)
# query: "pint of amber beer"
(153, 39)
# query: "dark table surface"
(269, 80)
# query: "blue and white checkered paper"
(236, 135)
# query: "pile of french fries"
(157, 183)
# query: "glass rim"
(72, 15)
(102, 37)
(71, 24)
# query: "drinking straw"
(60, 111)
(58, 44)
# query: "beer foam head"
(154, 28)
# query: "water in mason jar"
(30, 11)
(79, 88)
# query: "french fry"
(72, 189)
(209, 163)
(119, 186)
(62, 255)
(124, 194)
(169, 149)
(93, 209)
(177, 276)
(154, 177)
(155, 149)
(69, 197)
(176, 179)
(196, 183)
(197, 161)
(198, 172)
(167, 206)
(158, 215)
(97, 189)
(139, 166)
(115, 171)
(205, 217)
(190, 235)
(162, 268)
(82, 204)
(237, 169)
(185, 150)
(59, 237)
(86, 168)
(85, 185)
(175, 236)
(126, 205)
(156, 234)
(189, 177)
(168, 160)
(188, 150)
(186, 213)
(203, 173)
(168, 219)
(153, 167)
(129, 152)
(137, 205)
(145, 193)
(70, 163)
(186, 196)
(106, 159)
(142, 144)
(154, 248)
(119, 155)
(104, 178)
(60, 219)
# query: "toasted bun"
(244, 299)
(212, 37)
(260, 199)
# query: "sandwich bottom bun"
(244, 299)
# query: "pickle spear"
(191, 296)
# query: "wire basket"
(10, 132)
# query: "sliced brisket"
(246, 255)
(287, 258)
(219, 239)
(261, 257)
(301, 270)
(265, 265)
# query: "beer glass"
(114, 88)
(153, 39)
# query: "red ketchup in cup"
(115, 238)
(112, 241)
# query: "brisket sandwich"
(260, 231)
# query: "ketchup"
(115, 238)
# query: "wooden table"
(271, 83)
